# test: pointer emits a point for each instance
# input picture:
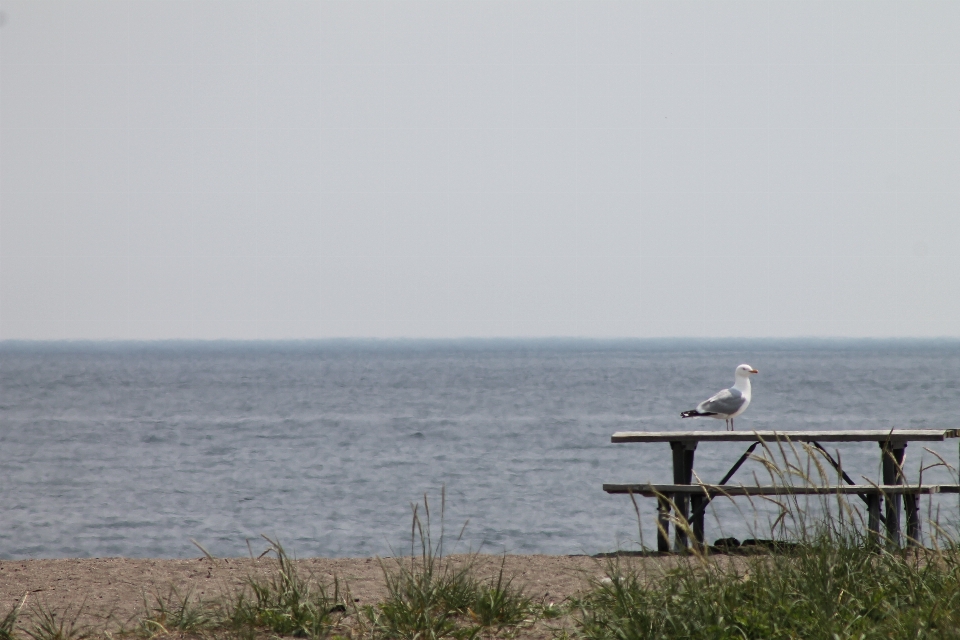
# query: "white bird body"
(729, 403)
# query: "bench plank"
(852, 435)
(653, 490)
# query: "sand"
(111, 591)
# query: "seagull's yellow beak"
(754, 371)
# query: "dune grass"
(824, 588)
(9, 621)
(429, 597)
(174, 612)
(49, 624)
(286, 604)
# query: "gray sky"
(436, 169)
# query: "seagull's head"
(745, 370)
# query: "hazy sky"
(435, 169)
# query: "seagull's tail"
(693, 413)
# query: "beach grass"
(174, 612)
(286, 604)
(431, 598)
(9, 621)
(824, 588)
(50, 624)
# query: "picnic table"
(689, 501)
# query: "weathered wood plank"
(651, 490)
(850, 435)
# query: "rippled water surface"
(134, 449)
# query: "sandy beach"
(112, 591)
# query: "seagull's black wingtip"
(693, 413)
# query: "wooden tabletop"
(849, 435)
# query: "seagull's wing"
(726, 402)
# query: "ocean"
(153, 449)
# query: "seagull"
(729, 403)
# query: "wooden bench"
(683, 493)
(700, 495)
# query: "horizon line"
(472, 339)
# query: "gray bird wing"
(726, 402)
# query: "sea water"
(146, 449)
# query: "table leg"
(663, 524)
(912, 504)
(682, 474)
(892, 453)
(696, 506)
(873, 517)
